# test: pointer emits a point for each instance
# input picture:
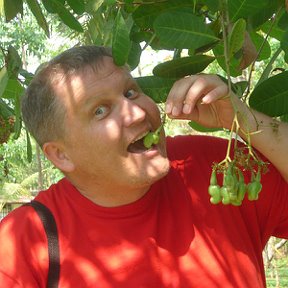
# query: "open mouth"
(137, 146)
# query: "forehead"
(88, 80)
(98, 71)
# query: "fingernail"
(175, 111)
(187, 109)
(168, 108)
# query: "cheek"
(152, 108)
(110, 131)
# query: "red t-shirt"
(171, 237)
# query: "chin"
(158, 171)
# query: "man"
(128, 216)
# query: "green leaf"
(194, 125)
(260, 42)
(14, 62)
(37, 12)
(110, 2)
(184, 66)
(276, 32)
(271, 96)
(183, 30)
(244, 8)
(5, 110)
(234, 62)
(269, 67)
(134, 55)
(121, 43)
(284, 42)
(203, 49)
(3, 80)
(239, 88)
(236, 36)
(12, 8)
(129, 8)
(213, 5)
(283, 21)
(13, 89)
(66, 16)
(155, 87)
(145, 15)
(93, 6)
(146, 36)
(28, 76)
(78, 6)
(49, 6)
(262, 15)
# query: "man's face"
(107, 114)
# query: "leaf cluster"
(236, 36)
(195, 32)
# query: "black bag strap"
(50, 228)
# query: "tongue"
(137, 147)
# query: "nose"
(132, 113)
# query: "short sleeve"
(272, 205)
(23, 250)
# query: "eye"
(131, 94)
(101, 111)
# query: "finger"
(177, 96)
(195, 93)
(205, 90)
(220, 92)
(193, 116)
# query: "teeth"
(140, 137)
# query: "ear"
(55, 152)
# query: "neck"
(110, 196)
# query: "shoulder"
(24, 248)
(272, 204)
(25, 221)
(54, 196)
(21, 221)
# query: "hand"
(202, 98)
(205, 99)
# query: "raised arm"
(204, 99)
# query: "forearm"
(268, 136)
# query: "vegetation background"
(244, 41)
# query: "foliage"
(22, 44)
(232, 33)
(22, 33)
(19, 178)
(275, 257)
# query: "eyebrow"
(102, 93)
(96, 97)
